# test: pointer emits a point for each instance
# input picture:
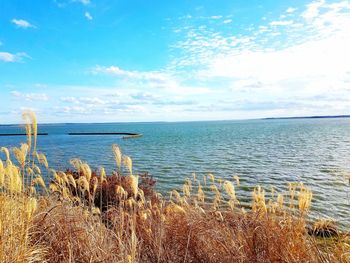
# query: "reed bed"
(81, 215)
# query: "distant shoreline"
(151, 122)
(308, 117)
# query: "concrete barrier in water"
(20, 134)
(127, 135)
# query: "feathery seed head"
(64, 178)
(76, 163)
(219, 216)
(29, 171)
(53, 187)
(236, 177)
(42, 159)
(128, 163)
(201, 195)
(211, 177)
(71, 180)
(36, 169)
(28, 128)
(95, 211)
(2, 174)
(83, 184)
(1, 166)
(39, 181)
(32, 190)
(220, 181)
(6, 151)
(85, 168)
(230, 189)
(214, 188)
(304, 198)
(20, 154)
(231, 203)
(57, 178)
(186, 188)
(31, 206)
(280, 200)
(120, 192)
(174, 209)
(259, 204)
(130, 202)
(94, 184)
(176, 194)
(14, 183)
(30, 118)
(103, 177)
(134, 184)
(117, 155)
(194, 176)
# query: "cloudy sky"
(127, 60)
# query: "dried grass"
(87, 216)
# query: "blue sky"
(101, 61)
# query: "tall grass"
(81, 215)
(18, 202)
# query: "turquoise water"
(260, 152)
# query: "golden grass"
(18, 206)
(85, 216)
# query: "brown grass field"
(81, 215)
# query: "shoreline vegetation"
(81, 215)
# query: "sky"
(135, 60)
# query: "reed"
(18, 203)
(82, 215)
(117, 155)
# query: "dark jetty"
(20, 134)
(127, 135)
(102, 133)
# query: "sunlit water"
(260, 152)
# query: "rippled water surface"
(265, 152)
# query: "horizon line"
(264, 118)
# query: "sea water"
(269, 153)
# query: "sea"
(266, 152)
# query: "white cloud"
(116, 71)
(7, 57)
(281, 23)
(30, 96)
(306, 57)
(10, 57)
(72, 110)
(84, 2)
(227, 21)
(88, 16)
(297, 65)
(313, 58)
(22, 23)
(84, 100)
(313, 9)
(154, 79)
(70, 100)
(216, 17)
(263, 29)
(291, 10)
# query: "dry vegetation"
(86, 216)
